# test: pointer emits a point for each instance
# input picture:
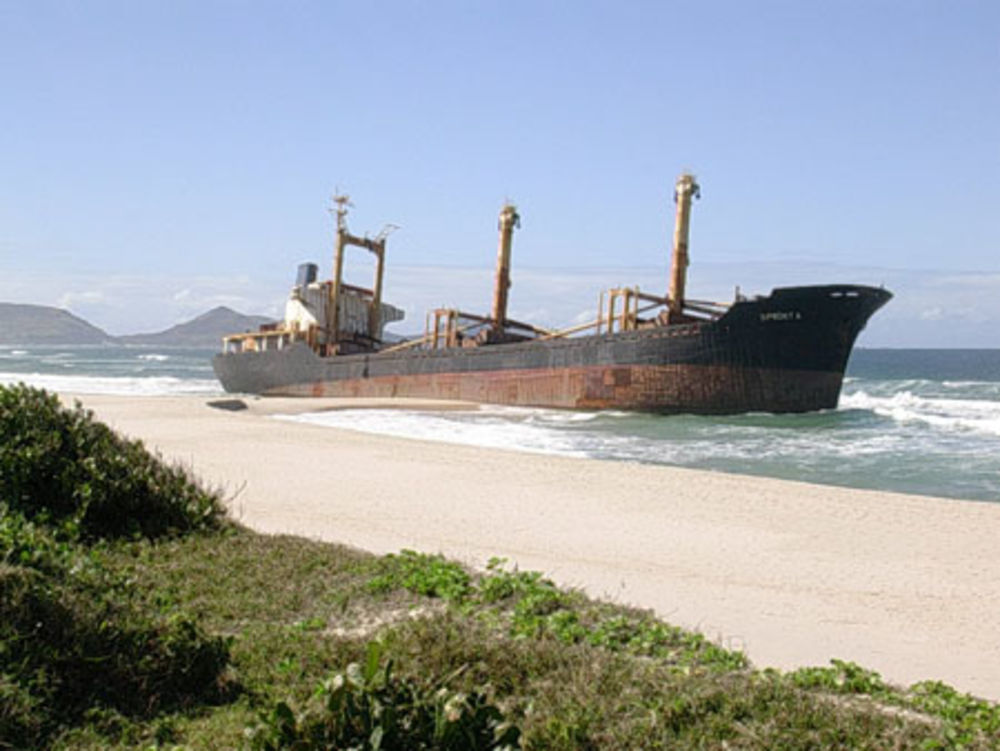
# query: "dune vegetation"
(135, 614)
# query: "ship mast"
(685, 190)
(509, 219)
(375, 246)
(342, 202)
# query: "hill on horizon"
(206, 330)
(22, 324)
(42, 324)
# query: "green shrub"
(366, 707)
(34, 544)
(62, 464)
(72, 641)
(22, 720)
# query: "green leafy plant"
(842, 678)
(536, 606)
(367, 707)
(961, 710)
(423, 574)
(500, 583)
(964, 719)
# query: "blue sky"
(158, 158)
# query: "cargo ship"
(783, 352)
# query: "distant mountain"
(206, 330)
(41, 324)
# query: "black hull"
(783, 353)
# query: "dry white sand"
(795, 574)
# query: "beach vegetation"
(532, 606)
(840, 677)
(367, 706)
(190, 631)
(963, 718)
(62, 464)
(74, 647)
(297, 614)
(424, 574)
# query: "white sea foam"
(902, 440)
(124, 386)
(977, 415)
(989, 390)
(153, 357)
(569, 434)
(517, 429)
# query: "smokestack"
(684, 191)
(509, 219)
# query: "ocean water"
(110, 370)
(913, 421)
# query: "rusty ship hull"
(785, 352)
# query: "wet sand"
(794, 574)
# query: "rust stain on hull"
(651, 388)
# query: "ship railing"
(707, 306)
(444, 314)
(574, 329)
(448, 330)
(261, 341)
(628, 317)
(608, 314)
(409, 344)
(449, 327)
(452, 328)
(434, 339)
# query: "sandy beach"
(794, 574)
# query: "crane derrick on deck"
(336, 318)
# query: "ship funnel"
(306, 275)
(509, 219)
(685, 190)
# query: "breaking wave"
(913, 435)
(121, 386)
(499, 428)
(976, 415)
